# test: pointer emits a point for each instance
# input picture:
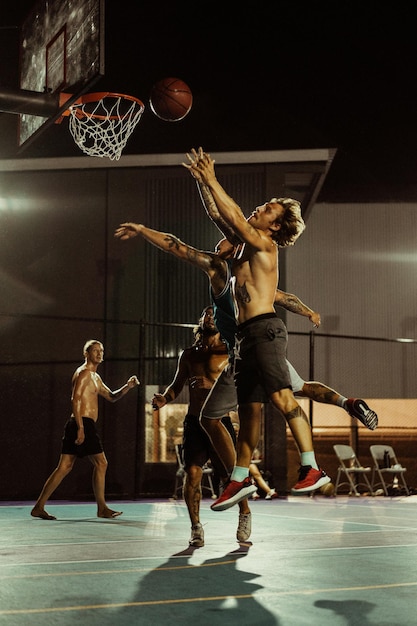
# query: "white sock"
(309, 458)
(239, 473)
(341, 402)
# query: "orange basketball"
(171, 99)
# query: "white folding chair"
(387, 471)
(180, 476)
(351, 469)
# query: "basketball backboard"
(61, 50)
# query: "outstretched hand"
(133, 381)
(200, 164)
(193, 158)
(127, 230)
(315, 319)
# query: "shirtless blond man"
(80, 435)
(261, 369)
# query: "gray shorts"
(297, 383)
(223, 395)
(261, 364)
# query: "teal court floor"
(312, 561)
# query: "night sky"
(265, 76)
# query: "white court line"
(206, 554)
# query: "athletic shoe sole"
(361, 411)
(322, 481)
(237, 497)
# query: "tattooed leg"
(192, 492)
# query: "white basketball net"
(102, 128)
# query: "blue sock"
(309, 458)
(239, 473)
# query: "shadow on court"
(217, 590)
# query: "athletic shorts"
(223, 395)
(196, 445)
(297, 383)
(261, 365)
(91, 444)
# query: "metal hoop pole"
(29, 102)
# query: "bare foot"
(38, 512)
(108, 513)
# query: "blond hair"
(292, 223)
(88, 345)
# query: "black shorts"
(196, 445)
(261, 366)
(91, 444)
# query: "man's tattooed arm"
(213, 213)
(290, 302)
(172, 242)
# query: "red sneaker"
(309, 480)
(233, 493)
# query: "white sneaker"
(197, 536)
(244, 527)
(271, 495)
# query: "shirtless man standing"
(80, 436)
(261, 368)
(199, 366)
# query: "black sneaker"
(359, 409)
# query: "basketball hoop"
(101, 123)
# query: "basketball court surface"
(312, 561)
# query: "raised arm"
(228, 209)
(167, 243)
(208, 200)
(209, 262)
(213, 213)
(292, 303)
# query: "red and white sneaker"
(233, 493)
(271, 495)
(309, 479)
